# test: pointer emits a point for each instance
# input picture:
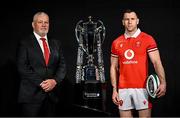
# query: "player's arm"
(114, 71)
(156, 60)
(114, 76)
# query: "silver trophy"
(90, 36)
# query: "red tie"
(46, 50)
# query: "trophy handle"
(78, 33)
(78, 29)
(102, 29)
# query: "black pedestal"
(90, 95)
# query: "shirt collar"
(38, 37)
(138, 31)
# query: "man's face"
(130, 21)
(41, 24)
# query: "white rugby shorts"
(133, 98)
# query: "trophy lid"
(90, 22)
(90, 18)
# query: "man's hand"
(48, 85)
(161, 91)
(115, 97)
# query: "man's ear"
(33, 24)
(137, 21)
(122, 22)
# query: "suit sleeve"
(61, 69)
(25, 70)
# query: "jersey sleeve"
(152, 46)
(114, 51)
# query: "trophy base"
(91, 94)
(92, 89)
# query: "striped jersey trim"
(152, 49)
(113, 55)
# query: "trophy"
(90, 36)
(90, 76)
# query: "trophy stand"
(90, 75)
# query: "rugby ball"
(152, 85)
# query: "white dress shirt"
(41, 42)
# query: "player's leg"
(142, 103)
(126, 114)
(145, 113)
(125, 103)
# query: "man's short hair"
(129, 11)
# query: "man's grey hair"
(37, 14)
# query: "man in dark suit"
(41, 66)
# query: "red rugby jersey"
(133, 61)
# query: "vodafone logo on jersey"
(129, 54)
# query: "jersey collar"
(134, 35)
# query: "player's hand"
(115, 97)
(161, 91)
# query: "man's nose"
(130, 21)
(44, 23)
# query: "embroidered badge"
(121, 102)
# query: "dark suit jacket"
(33, 70)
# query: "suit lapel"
(51, 46)
(37, 50)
